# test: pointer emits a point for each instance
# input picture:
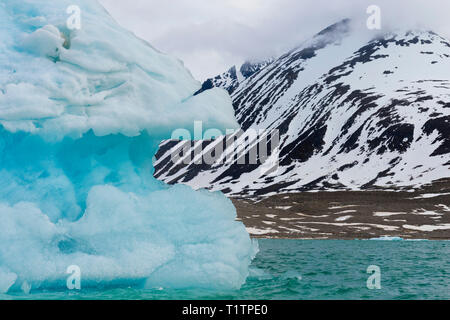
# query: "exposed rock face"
(234, 77)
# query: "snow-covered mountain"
(231, 79)
(354, 110)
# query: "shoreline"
(348, 239)
(422, 214)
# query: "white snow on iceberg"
(81, 115)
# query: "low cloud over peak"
(210, 36)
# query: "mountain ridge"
(352, 114)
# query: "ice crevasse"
(81, 115)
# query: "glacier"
(81, 115)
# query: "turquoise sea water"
(316, 269)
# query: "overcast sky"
(212, 35)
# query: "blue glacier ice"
(81, 115)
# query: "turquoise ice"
(81, 115)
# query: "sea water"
(313, 269)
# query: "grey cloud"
(211, 35)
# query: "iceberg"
(387, 238)
(81, 114)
